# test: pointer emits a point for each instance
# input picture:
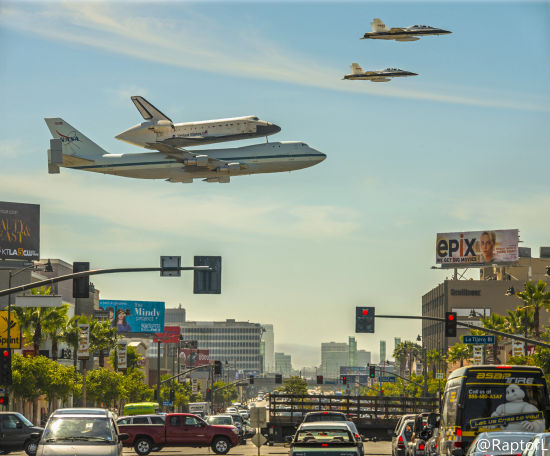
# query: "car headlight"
(235, 430)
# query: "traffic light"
(278, 378)
(250, 379)
(208, 282)
(209, 395)
(217, 368)
(5, 367)
(81, 286)
(450, 324)
(364, 319)
(319, 379)
(4, 400)
(172, 395)
(372, 371)
(344, 380)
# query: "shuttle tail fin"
(73, 143)
(147, 110)
(378, 26)
(356, 69)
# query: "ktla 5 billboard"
(19, 231)
(476, 248)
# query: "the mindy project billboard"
(134, 316)
(19, 231)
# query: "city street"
(371, 448)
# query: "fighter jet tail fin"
(356, 68)
(73, 142)
(378, 26)
(147, 110)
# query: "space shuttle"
(159, 128)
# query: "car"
(538, 445)
(498, 443)
(424, 424)
(312, 417)
(16, 433)
(220, 419)
(326, 437)
(81, 431)
(401, 437)
(140, 419)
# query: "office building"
(234, 342)
(333, 355)
(352, 351)
(268, 338)
(283, 364)
(382, 351)
(174, 316)
(363, 358)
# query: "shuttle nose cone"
(268, 129)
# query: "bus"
(491, 398)
(141, 408)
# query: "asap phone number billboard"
(476, 248)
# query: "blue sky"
(462, 146)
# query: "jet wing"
(182, 155)
(396, 30)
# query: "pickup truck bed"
(180, 429)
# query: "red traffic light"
(3, 400)
(365, 311)
(450, 317)
(5, 353)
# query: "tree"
(400, 354)
(520, 321)
(498, 323)
(103, 337)
(134, 389)
(535, 296)
(104, 386)
(71, 334)
(459, 353)
(294, 385)
(433, 357)
(54, 328)
(224, 393)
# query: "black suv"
(15, 433)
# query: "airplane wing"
(147, 110)
(396, 30)
(183, 155)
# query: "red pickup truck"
(180, 429)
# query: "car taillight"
(458, 438)
(400, 439)
(356, 436)
(458, 432)
(324, 444)
(421, 446)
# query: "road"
(371, 448)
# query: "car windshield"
(323, 436)
(25, 420)
(220, 420)
(325, 417)
(89, 428)
(502, 443)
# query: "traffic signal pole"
(478, 328)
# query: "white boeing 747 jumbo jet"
(158, 128)
(71, 149)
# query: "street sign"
(258, 417)
(517, 348)
(167, 403)
(170, 266)
(15, 330)
(194, 385)
(478, 340)
(38, 301)
(258, 439)
(478, 355)
(439, 376)
(387, 379)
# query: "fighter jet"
(72, 149)
(412, 33)
(159, 128)
(376, 75)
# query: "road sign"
(478, 355)
(15, 330)
(387, 379)
(258, 439)
(167, 403)
(439, 376)
(258, 417)
(517, 348)
(478, 340)
(194, 385)
(38, 301)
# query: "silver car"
(84, 431)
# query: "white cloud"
(215, 48)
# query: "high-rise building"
(268, 337)
(174, 316)
(352, 350)
(382, 351)
(363, 358)
(283, 364)
(234, 342)
(333, 355)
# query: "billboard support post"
(158, 370)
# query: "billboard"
(15, 330)
(171, 335)
(134, 316)
(193, 358)
(19, 231)
(476, 248)
(84, 341)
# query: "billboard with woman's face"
(476, 248)
(135, 316)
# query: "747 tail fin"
(73, 142)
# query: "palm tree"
(33, 320)
(54, 327)
(498, 323)
(103, 336)
(71, 334)
(433, 357)
(535, 296)
(459, 352)
(400, 354)
(520, 321)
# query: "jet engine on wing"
(198, 160)
(229, 168)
